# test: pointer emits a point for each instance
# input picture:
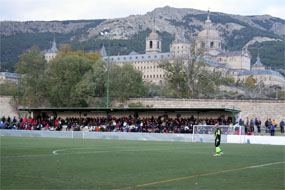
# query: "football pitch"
(53, 163)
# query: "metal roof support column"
(233, 117)
(79, 118)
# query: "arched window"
(157, 45)
(211, 44)
(150, 44)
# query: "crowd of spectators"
(161, 124)
(254, 126)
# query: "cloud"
(97, 9)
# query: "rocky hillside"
(237, 31)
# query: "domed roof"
(153, 35)
(208, 33)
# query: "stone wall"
(261, 109)
(5, 108)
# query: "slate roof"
(259, 72)
(139, 57)
(8, 74)
(230, 53)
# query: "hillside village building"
(12, 77)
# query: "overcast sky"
(28, 10)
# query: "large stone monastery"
(235, 64)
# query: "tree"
(253, 88)
(32, 66)
(191, 77)
(63, 74)
(92, 86)
(126, 82)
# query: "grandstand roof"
(115, 109)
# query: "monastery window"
(130, 57)
(157, 45)
(161, 56)
(150, 76)
(149, 56)
(150, 44)
(211, 44)
(118, 58)
(144, 67)
(156, 76)
(146, 76)
(124, 58)
(112, 59)
(142, 57)
(155, 56)
(181, 47)
(136, 57)
(160, 76)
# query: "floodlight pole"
(108, 73)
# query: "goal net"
(206, 133)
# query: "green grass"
(29, 163)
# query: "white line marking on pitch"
(269, 164)
(56, 152)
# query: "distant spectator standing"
(251, 126)
(274, 123)
(282, 126)
(272, 129)
(3, 119)
(266, 125)
(247, 125)
(255, 125)
(258, 125)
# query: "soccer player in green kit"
(218, 141)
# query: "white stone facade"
(51, 53)
(229, 63)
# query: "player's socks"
(218, 150)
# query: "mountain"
(258, 33)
